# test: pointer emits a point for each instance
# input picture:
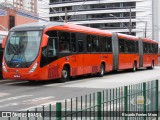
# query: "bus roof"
(124, 36)
(36, 26)
(73, 28)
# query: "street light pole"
(130, 22)
(65, 15)
(145, 32)
(119, 20)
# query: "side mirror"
(45, 40)
(4, 41)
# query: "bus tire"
(101, 71)
(152, 65)
(134, 67)
(65, 74)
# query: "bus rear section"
(150, 53)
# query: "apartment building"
(134, 17)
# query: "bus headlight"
(33, 68)
(4, 67)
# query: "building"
(124, 16)
(28, 5)
(42, 9)
(14, 12)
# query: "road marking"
(9, 104)
(38, 99)
(3, 81)
(15, 98)
(4, 94)
(70, 82)
(44, 104)
(38, 106)
(24, 102)
(16, 82)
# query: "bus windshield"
(22, 48)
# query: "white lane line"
(70, 82)
(4, 94)
(39, 99)
(16, 82)
(9, 104)
(41, 105)
(38, 106)
(26, 101)
(5, 81)
(15, 98)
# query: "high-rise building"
(43, 9)
(124, 16)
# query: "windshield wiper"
(18, 51)
(14, 53)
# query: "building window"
(11, 21)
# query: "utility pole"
(130, 22)
(65, 15)
(145, 32)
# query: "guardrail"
(133, 102)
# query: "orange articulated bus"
(55, 50)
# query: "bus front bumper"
(21, 75)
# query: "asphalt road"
(23, 95)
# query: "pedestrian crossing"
(24, 102)
(2, 94)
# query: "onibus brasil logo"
(139, 100)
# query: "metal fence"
(133, 102)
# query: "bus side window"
(105, 44)
(73, 42)
(121, 45)
(126, 46)
(89, 43)
(145, 49)
(51, 47)
(137, 48)
(156, 48)
(101, 44)
(109, 44)
(80, 46)
(95, 44)
(64, 42)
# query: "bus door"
(88, 61)
(51, 57)
(80, 38)
(80, 57)
(145, 55)
(73, 57)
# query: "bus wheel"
(134, 67)
(65, 74)
(102, 70)
(152, 65)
